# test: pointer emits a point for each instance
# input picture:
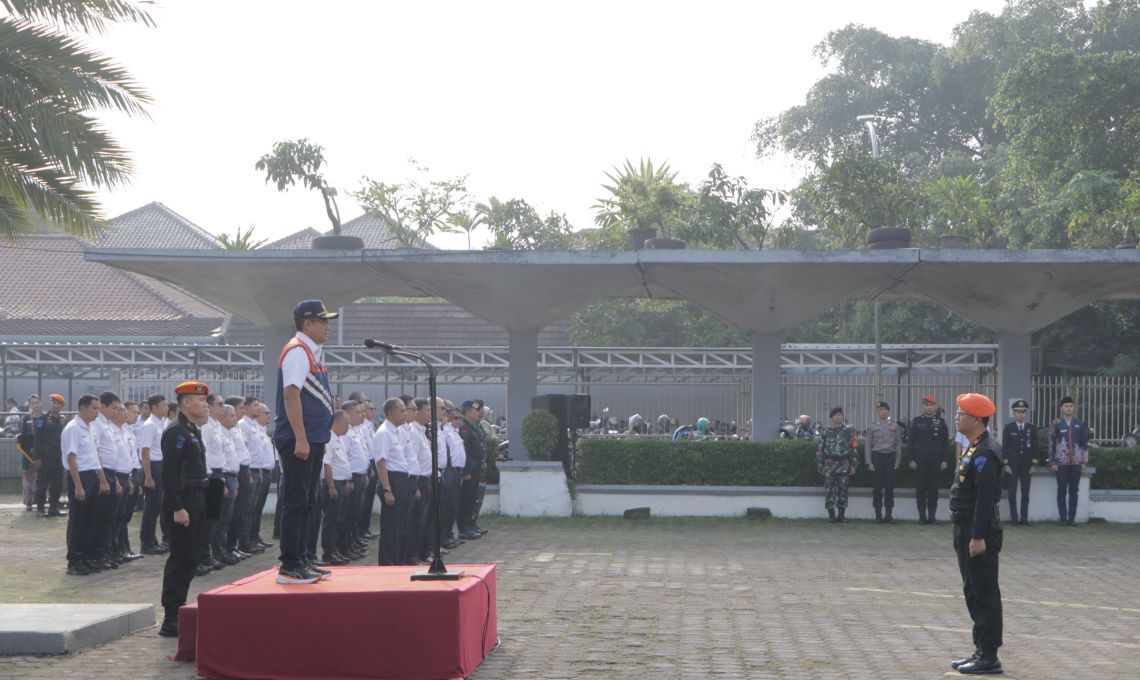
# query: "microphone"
(374, 344)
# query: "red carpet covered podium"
(364, 622)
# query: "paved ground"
(701, 598)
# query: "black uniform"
(1019, 452)
(974, 501)
(928, 445)
(184, 484)
(472, 435)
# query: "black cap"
(468, 404)
(1020, 404)
(312, 309)
(883, 404)
(1066, 400)
(837, 409)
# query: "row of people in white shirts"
(404, 448)
(246, 442)
(100, 444)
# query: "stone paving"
(701, 598)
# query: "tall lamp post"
(869, 122)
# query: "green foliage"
(415, 209)
(53, 147)
(241, 240)
(300, 161)
(491, 446)
(642, 197)
(728, 213)
(518, 226)
(622, 322)
(540, 434)
(960, 207)
(646, 461)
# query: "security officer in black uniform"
(184, 482)
(974, 501)
(1019, 456)
(928, 448)
(48, 450)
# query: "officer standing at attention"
(883, 456)
(47, 449)
(184, 481)
(1019, 456)
(835, 459)
(303, 427)
(974, 500)
(928, 448)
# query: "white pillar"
(1015, 368)
(275, 339)
(767, 393)
(522, 385)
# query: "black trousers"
(883, 479)
(219, 531)
(49, 481)
(448, 501)
(129, 483)
(185, 549)
(263, 483)
(367, 498)
(422, 547)
(468, 491)
(351, 528)
(980, 586)
(926, 487)
(393, 519)
(237, 535)
(335, 510)
(105, 509)
(1020, 477)
(152, 509)
(299, 499)
(81, 518)
(279, 503)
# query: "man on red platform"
(303, 427)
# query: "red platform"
(364, 622)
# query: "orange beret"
(57, 398)
(929, 400)
(192, 387)
(977, 405)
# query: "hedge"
(769, 463)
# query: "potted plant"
(645, 200)
(540, 434)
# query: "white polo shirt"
(129, 450)
(104, 433)
(150, 437)
(78, 439)
(336, 457)
(262, 454)
(388, 446)
(231, 438)
(366, 432)
(358, 459)
(295, 365)
(455, 442)
(213, 439)
(423, 449)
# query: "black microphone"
(373, 344)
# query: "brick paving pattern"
(700, 598)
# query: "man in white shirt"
(336, 490)
(237, 535)
(107, 437)
(86, 481)
(351, 543)
(261, 462)
(219, 532)
(418, 539)
(213, 440)
(150, 450)
(395, 484)
(452, 461)
(367, 430)
(126, 474)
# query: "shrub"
(540, 434)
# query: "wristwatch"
(386, 490)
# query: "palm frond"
(86, 15)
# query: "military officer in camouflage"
(836, 459)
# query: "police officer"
(471, 432)
(184, 482)
(1019, 455)
(883, 452)
(928, 448)
(46, 449)
(974, 500)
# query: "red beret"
(977, 405)
(57, 398)
(192, 387)
(929, 400)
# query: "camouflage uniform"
(835, 458)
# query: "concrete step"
(67, 628)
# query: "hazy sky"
(534, 100)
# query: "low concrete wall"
(1114, 506)
(533, 489)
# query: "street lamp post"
(869, 121)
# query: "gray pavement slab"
(66, 628)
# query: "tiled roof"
(374, 232)
(298, 240)
(50, 288)
(420, 324)
(155, 226)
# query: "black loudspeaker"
(579, 411)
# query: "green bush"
(540, 434)
(491, 447)
(645, 461)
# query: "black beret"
(837, 409)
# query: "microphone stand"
(437, 571)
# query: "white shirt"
(13, 421)
(215, 444)
(358, 459)
(241, 451)
(233, 458)
(423, 448)
(295, 366)
(411, 449)
(262, 454)
(389, 447)
(962, 440)
(78, 439)
(130, 448)
(455, 446)
(150, 437)
(366, 432)
(336, 457)
(105, 441)
(249, 428)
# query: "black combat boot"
(169, 623)
(888, 519)
(831, 515)
(878, 515)
(921, 512)
(841, 518)
(932, 511)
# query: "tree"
(466, 223)
(643, 197)
(241, 240)
(53, 148)
(415, 209)
(300, 161)
(518, 226)
(728, 213)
